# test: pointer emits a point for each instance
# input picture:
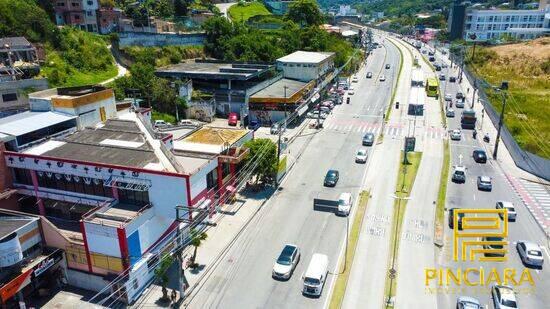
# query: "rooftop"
(10, 223)
(211, 140)
(282, 89)
(306, 57)
(17, 42)
(27, 122)
(67, 92)
(212, 69)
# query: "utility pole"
(474, 93)
(503, 88)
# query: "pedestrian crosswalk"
(536, 197)
(395, 130)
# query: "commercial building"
(102, 193)
(306, 66)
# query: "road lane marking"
(545, 251)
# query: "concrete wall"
(160, 39)
(17, 87)
(86, 280)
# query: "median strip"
(405, 182)
(394, 90)
(442, 196)
(339, 290)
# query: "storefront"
(39, 278)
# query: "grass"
(405, 182)
(442, 194)
(338, 293)
(526, 66)
(243, 11)
(163, 56)
(394, 90)
(162, 116)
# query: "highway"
(242, 279)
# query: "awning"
(126, 183)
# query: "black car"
(369, 74)
(387, 66)
(459, 95)
(480, 156)
(431, 53)
(368, 139)
(331, 179)
(254, 125)
(452, 79)
(451, 219)
(437, 67)
(432, 59)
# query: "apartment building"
(77, 13)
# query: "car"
(441, 76)
(530, 253)
(479, 156)
(437, 67)
(286, 262)
(459, 95)
(444, 52)
(382, 78)
(431, 53)
(361, 156)
(448, 97)
(322, 108)
(512, 214)
(368, 139)
(450, 113)
(161, 123)
(452, 79)
(452, 220)
(465, 302)
(314, 114)
(459, 104)
(354, 79)
(232, 119)
(275, 128)
(484, 183)
(456, 135)
(504, 297)
(495, 244)
(431, 59)
(459, 174)
(254, 125)
(369, 74)
(424, 51)
(345, 201)
(387, 66)
(331, 179)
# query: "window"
(90, 13)
(212, 179)
(77, 17)
(75, 4)
(9, 97)
(22, 176)
(60, 3)
(90, 2)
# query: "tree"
(181, 7)
(263, 154)
(197, 237)
(160, 273)
(305, 13)
(218, 32)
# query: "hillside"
(526, 66)
(244, 10)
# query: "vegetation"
(403, 7)
(264, 151)
(305, 13)
(526, 66)
(443, 180)
(338, 293)
(163, 56)
(26, 18)
(168, 118)
(161, 275)
(242, 11)
(197, 238)
(394, 89)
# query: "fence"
(160, 39)
(525, 160)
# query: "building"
(108, 19)
(278, 100)
(90, 104)
(77, 13)
(231, 84)
(455, 23)
(306, 66)
(102, 193)
(26, 264)
(154, 25)
(345, 10)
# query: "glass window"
(9, 97)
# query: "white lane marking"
(545, 251)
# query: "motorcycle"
(474, 134)
(486, 138)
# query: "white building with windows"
(493, 24)
(306, 66)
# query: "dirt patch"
(538, 49)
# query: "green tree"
(219, 31)
(160, 273)
(263, 152)
(197, 237)
(305, 13)
(181, 7)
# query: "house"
(108, 19)
(77, 13)
(306, 66)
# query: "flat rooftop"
(281, 89)
(118, 142)
(67, 92)
(209, 140)
(306, 57)
(209, 69)
(10, 223)
(115, 215)
(26, 122)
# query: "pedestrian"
(468, 90)
(173, 296)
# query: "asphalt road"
(467, 196)
(243, 278)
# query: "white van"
(344, 203)
(315, 275)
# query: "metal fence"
(525, 160)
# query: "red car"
(232, 119)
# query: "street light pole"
(500, 122)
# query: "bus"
(417, 78)
(416, 101)
(432, 87)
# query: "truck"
(468, 119)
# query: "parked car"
(331, 179)
(448, 97)
(459, 174)
(441, 76)
(275, 128)
(382, 78)
(314, 114)
(254, 125)
(286, 262)
(530, 253)
(450, 113)
(452, 79)
(345, 201)
(369, 74)
(504, 297)
(161, 123)
(512, 214)
(491, 245)
(484, 183)
(437, 67)
(232, 119)
(459, 95)
(368, 139)
(456, 135)
(479, 156)
(465, 302)
(451, 219)
(459, 104)
(361, 156)
(387, 66)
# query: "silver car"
(484, 183)
(504, 297)
(465, 302)
(512, 214)
(448, 97)
(530, 253)
(456, 135)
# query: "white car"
(456, 135)
(382, 78)
(512, 214)
(351, 91)
(286, 262)
(530, 253)
(448, 97)
(504, 297)
(354, 79)
(344, 203)
(361, 156)
(315, 114)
